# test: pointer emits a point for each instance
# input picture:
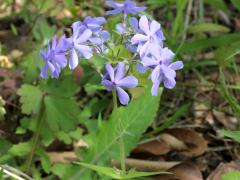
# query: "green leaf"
(2, 109)
(117, 174)
(5, 145)
(225, 55)
(135, 118)
(65, 137)
(180, 111)
(218, 4)
(76, 134)
(178, 23)
(20, 149)
(1, 173)
(208, 27)
(61, 169)
(31, 65)
(232, 134)
(44, 159)
(236, 4)
(30, 97)
(233, 175)
(202, 44)
(61, 113)
(228, 96)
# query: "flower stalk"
(35, 140)
(121, 140)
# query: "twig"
(144, 165)
(11, 174)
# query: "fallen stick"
(144, 165)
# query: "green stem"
(121, 140)
(35, 139)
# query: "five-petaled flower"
(162, 70)
(54, 59)
(128, 7)
(150, 35)
(77, 43)
(114, 80)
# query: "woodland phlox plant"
(141, 35)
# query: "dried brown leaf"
(156, 147)
(62, 157)
(184, 171)
(196, 144)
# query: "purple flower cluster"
(147, 41)
(88, 36)
(142, 37)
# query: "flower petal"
(115, 11)
(149, 61)
(123, 96)
(141, 69)
(144, 49)
(138, 38)
(120, 28)
(128, 82)
(61, 60)
(155, 73)
(155, 50)
(51, 66)
(120, 71)
(169, 83)
(84, 36)
(154, 27)
(144, 25)
(73, 61)
(176, 65)
(134, 23)
(44, 73)
(167, 55)
(168, 72)
(111, 4)
(107, 84)
(84, 50)
(43, 55)
(110, 71)
(155, 87)
(54, 42)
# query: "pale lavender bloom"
(55, 58)
(93, 23)
(128, 7)
(162, 69)
(78, 45)
(99, 36)
(149, 34)
(114, 79)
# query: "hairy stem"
(121, 140)
(35, 139)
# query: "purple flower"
(55, 58)
(149, 34)
(128, 7)
(162, 70)
(114, 79)
(93, 23)
(99, 36)
(77, 43)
